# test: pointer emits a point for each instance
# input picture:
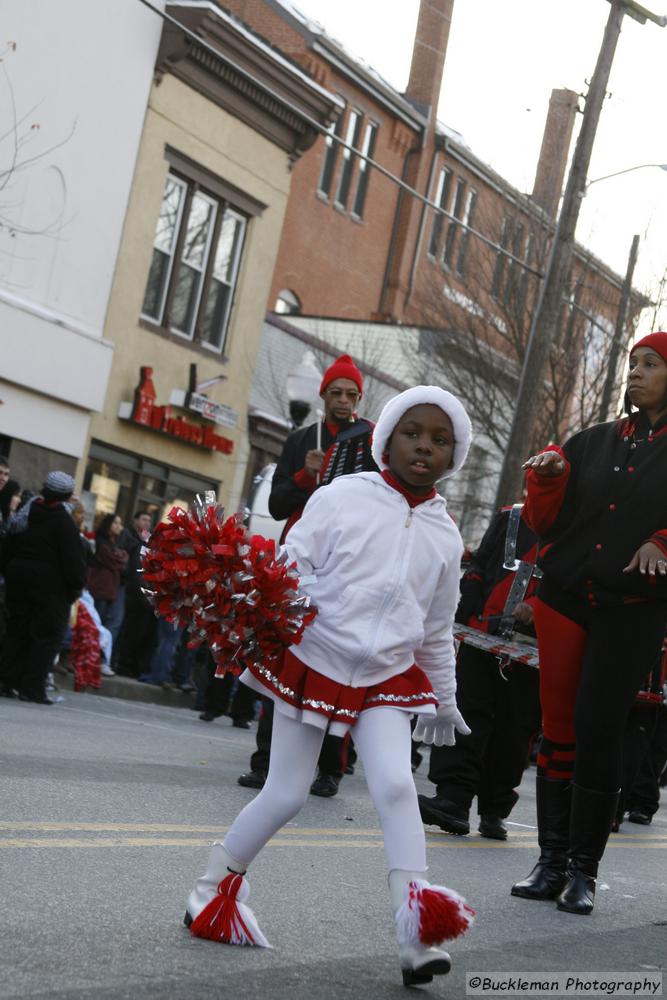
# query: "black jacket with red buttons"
(486, 584)
(609, 500)
(292, 484)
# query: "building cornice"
(242, 75)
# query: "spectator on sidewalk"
(105, 574)
(164, 655)
(4, 471)
(137, 637)
(45, 573)
(88, 666)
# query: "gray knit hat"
(59, 482)
(397, 406)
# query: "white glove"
(439, 729)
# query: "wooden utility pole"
(545, 318)
(620, 334)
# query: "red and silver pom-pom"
(432, 914)
(205, 572)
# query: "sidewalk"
(131, 690)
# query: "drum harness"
(524, 573)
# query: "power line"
(438, 209)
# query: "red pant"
(590, 672)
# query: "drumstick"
(320, 416)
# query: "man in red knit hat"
(313, 456)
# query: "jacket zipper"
(388, 598)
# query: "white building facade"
(76, 83)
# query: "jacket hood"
(448, 403)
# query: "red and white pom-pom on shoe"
(216, 908)
(425, 915)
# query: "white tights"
(382, 739)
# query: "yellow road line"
(477, 843)
(344, 832)
(171, 828)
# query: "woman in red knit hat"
(599, 506)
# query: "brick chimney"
(555, 150)
(428, 55)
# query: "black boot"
(553, 823)
(590, 824)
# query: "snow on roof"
(316, 29)
(260, 43)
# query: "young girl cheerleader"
(380, 556)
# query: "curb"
(131, 690)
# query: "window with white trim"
(367, 150)
(330, 155)
(194, 268)
(467, 220)
(352, 134)
(457, 212)
(441, 199)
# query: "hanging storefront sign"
(218, 413)
(145, 412)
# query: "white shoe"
(216, 907)
(106, 670)
(425, 915)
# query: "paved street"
(107, 810)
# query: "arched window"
(287, 303)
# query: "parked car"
(259, 520)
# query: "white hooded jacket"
(386, 583)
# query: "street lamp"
(303, 388)
(628, 170)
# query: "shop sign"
(146, 413)
(218, 413)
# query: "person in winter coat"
(105, 574)
(45, 573)
(599, 507)
(137, 638)
(380, 557)
(10, 498)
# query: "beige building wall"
(181, 118)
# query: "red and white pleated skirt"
(302, 693)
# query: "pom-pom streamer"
(229, 588)
(432, 914)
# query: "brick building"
(354, 245)
(448, 295)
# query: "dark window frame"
(498, 278)
(227, 200)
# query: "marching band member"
(598, 505)
(499, 698)
(308, 455)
